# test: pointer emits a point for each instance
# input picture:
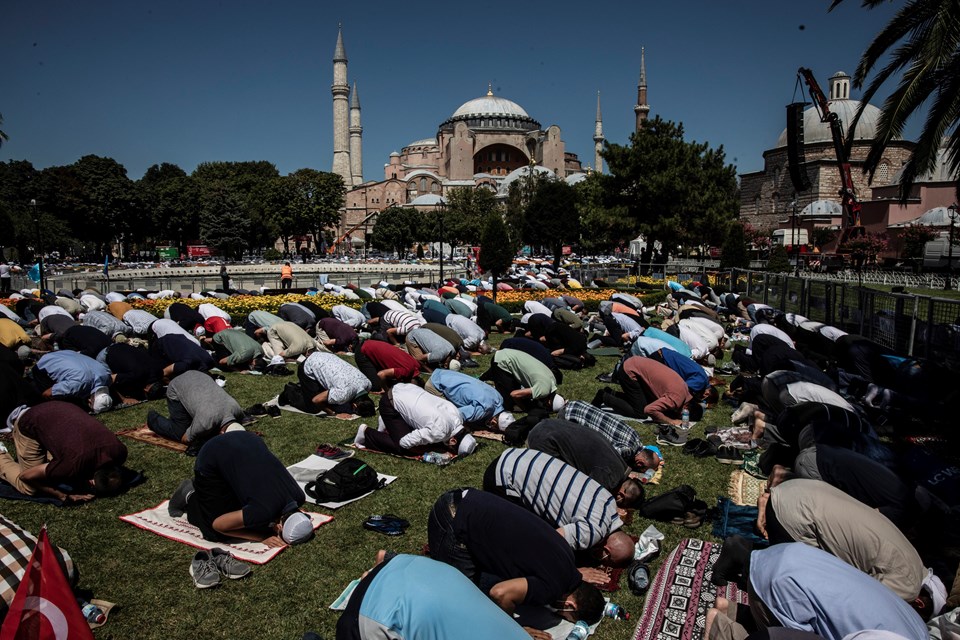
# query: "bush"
(272, 254)
(779, 262)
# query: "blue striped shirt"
(568, 499)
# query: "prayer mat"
(488, 435)
(605, 351)
(158, 521)
(744, 489)
(732, 519)
(306, 471)
(292, 409)
(130, 478)
(681, 594)
(143, 434)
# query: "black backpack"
(292, 396)
(671, 504)
(349, 479)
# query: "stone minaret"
(598, 140)
(642, 108)
(356, 138)
(341, 134)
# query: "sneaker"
(272, 410)
(729, 455)
(606, 378)
(178, 501)
(671, 436)
(257, 411)
(204, 571)
(469, 363)
(228, 566)
(332, 452)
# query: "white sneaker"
(743, 412)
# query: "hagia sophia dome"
(491, 112)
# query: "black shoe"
(598, 399)
(469, 363)
(257, 411)
(273, 410)
(730, 455)
(605, 377)
(178, 501)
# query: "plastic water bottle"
(580, 631)
(437, 458)
(615, 611)
(91, 612)
(685, 419)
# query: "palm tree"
(923, 42)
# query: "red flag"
(44, 607)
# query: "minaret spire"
(356, 138)
(341, 126)
(642, 109)
(598, 140)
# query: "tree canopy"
(675, 192)
(551, 218)
(496, 249)
(396, 230)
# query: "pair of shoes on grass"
(672, 436)
(700, 448)
(386, 524)
(332, 452)
(207, 568)
(260, 410)
(728, 454)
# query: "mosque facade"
(767, 196)
(488, 142)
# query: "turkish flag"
(44, 607)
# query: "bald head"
(619, 548)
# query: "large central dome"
(490, 105)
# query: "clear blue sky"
(189, 82)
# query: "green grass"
(951, 294)
(147, 576)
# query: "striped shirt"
(560, 494)
(622, 436)
(403, 321)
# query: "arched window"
(423, 184)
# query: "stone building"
(766, 196)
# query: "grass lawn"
(147, 576)
(951, 294)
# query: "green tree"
(395, 231)
(735, 254)
(551, 218)
(223, 220)
(274, 199)
(604, 226)
(245, 180)
(677, 192)
(466, 210)
(496, 249)
(779, 261)
(104, 204)
(318, 197)
(923, 44)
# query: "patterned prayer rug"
(681, 594)
(143, 434)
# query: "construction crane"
(850, 221)
(333, 247)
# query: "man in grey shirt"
(429, 349)
(199, 410)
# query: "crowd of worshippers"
(544, 520)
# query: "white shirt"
(770, 330)
(348, 315)
(802, 391)
(115, 296)
(471, 333)
(208, 311)
(699, 345)
(51, 310)
(535, 306)
(166, 327)
(832, 333)
(434, 419)
(92, 303)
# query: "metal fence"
(920, 326)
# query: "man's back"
(584, 449)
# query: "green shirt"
(242, 347)
(531, 373)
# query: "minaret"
(340, 90)
(642, 108)
(356, 138)
(598, 140)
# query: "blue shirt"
(810, 590)
(678, 345)
(693, 374)
(645, 345)
(476, 400)
(74, 374)
(416, 597)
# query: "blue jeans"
(174, 427)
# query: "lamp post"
(793, 239)
(179, 242)
(952, 209)
(440, 210)
(36, 222)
